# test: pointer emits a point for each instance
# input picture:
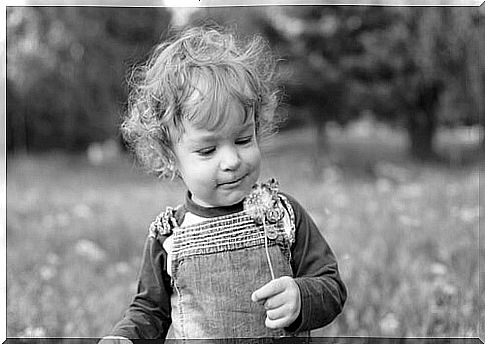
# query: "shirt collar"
(199, 210)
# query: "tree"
(66, 68)
(417, 67)
(432, 58)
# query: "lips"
(233, 182)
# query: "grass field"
(405, 234)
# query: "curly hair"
(194, 77)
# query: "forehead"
(233, 125)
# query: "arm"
(315, 269)
(148, 316)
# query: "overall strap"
(164, 223)
(289, 222)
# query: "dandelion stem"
(267, 250)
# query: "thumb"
(268, 290)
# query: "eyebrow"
(210, 137)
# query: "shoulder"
(290, 202)
(164, 223)
(299, 213)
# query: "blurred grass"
(405, 234)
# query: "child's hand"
(282, 301)
(115, 340)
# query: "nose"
(230, 159)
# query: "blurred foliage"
(66, 68)
(402, 65)
(416, 67)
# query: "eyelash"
(244, 140)
(206, 151)
(209, 150)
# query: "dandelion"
(412, 190)
(389, 324)
(89, 250)
(408, 221)
(393, 172)
(122, 268)
(331, 174)
(438, 269)
(444, 292)
(47, 272)
(82, 211)
(52, 259)
(383, 185)
(33, 332)
(469, 215)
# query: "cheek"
(254, 159)
(199, 176)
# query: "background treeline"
(362, 86)
(413, 67)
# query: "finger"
(278, 313)
(268, 290)
(277, 323)
(275, 301)
(115, 340)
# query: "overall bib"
(218, 263)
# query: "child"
(238, 258)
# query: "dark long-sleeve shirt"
(315, 269)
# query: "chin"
(234, 198)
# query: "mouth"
(233, 182)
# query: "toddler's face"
(219, 167)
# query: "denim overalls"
(218, 263)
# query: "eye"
(244, 140)
(206, 151)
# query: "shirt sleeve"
(148, 316)
(315, 269)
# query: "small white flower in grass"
(408, 221)
(412, 190)
(444, 293)
(52, 259)
(389, 324)
(449, 289)
(33, 332)
(392, 172)
(469, 214)
(438, 269)
(81, 210)
(122, 268)
(383, 185)
(89, 250)
(331, 174)
(47, 272)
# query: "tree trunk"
(421, 130)
(423, 121)
(322, 148)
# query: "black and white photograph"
(253, 172)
